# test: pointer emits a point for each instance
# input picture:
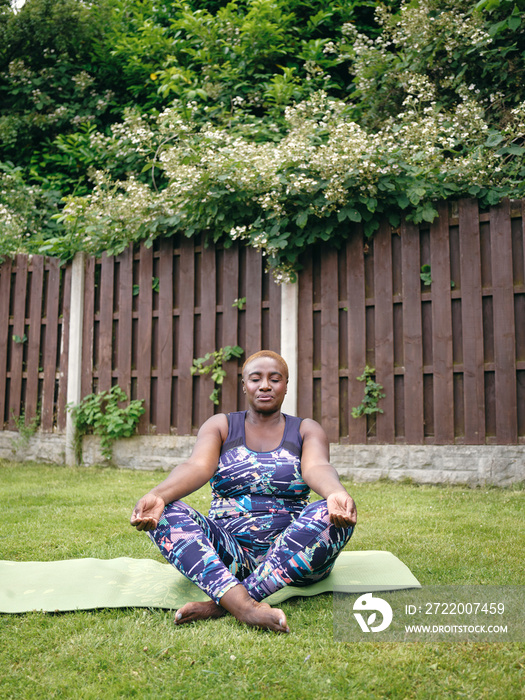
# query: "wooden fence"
(34, 324)
(148, 313)
(450, 355)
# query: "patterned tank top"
(257, 483)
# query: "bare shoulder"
(210, 438)
(214, 427)
(311, 429)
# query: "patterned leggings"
(265, 553)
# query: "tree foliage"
(49, 84)
(276, 123)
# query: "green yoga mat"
(85, 584)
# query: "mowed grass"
(447, 535)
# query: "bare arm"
(322, 477)
(185, 478)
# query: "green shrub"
(102, 415)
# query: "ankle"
(236, 599)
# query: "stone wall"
(41, 447)
(474, 465)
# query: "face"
(264, 384)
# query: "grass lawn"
(447, 535)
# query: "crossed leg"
(305, 552)
(212, 558)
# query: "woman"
(261, 534)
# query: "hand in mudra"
(147, 512)
(341, 509)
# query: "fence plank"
(442, 329)
(412, 334)
(253, 301)
(88, 328)
(34, 335)
(472, 322)
(523, 232)
(125, 319)
(355, 275)
(145, 326)
(207, 336)
(330, 345)
(105, 336)
(229, 292)
(185, 339)
(5, 296)
(384, 331)
(17, 348)
(504, 335)
(51, 344)
(305, 340)
(274, 294)
(165, 377)
(64, 349)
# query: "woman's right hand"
(147, 512)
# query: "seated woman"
(261, 534)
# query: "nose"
(265, 384)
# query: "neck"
(266, 418)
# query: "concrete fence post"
(289, 335)
(75, 350)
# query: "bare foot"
(264, 616)
(198, 611)
(239, 603)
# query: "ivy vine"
(101, 414)
(373, 394)
(213, 363)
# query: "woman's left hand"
(341, 509)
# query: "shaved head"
(272, 355)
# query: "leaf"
(511, 150)
(371, 204)
(348, 213)
(428, 213)
(493, 197)
(494, 138)
(514, 22)
(402, 201)
(426, 275)
(302, 218)
(394, 219)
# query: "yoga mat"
(86, 584)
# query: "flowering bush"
(25, 213)
(326, 172)
(432, 108)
